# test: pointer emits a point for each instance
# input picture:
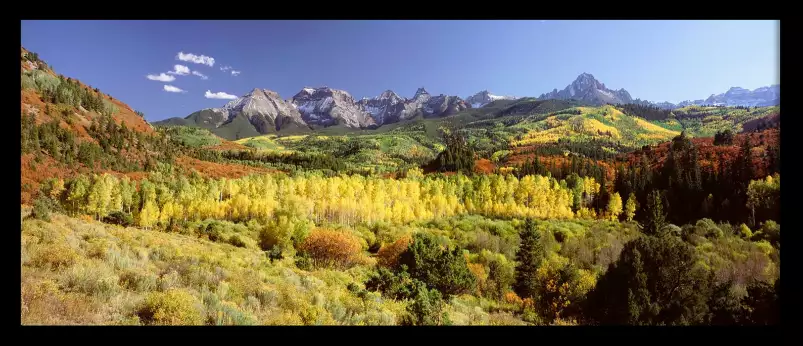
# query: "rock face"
(389, 107)
(325, 106)
(264, 109)
(736, 96)
(485, 97)
(586, 88)
(437, 106)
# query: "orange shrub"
(389, 254)
(528, 303)
(513, 298)
(331, 248)
(478, 270)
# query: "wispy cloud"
(225, 68)
(180, 70)
(219, 95)
(172, 89)
(161, 77)
(235, 72)
(198, 59)
(203, 76)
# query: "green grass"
(194, 137)
(700, 121)
(266, 143)
(83, 272)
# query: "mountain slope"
(587, 89)
(388, 107)
(485, 97)
(764, 96)
(325, 106)
(735, 96)
(40, 85)
(258, 112)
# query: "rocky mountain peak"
(324, 106)
(389, 95)
(588, 89)
(485, 97)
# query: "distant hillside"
(69, 128)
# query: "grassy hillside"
(84, 272)
(700, 121)
(583, 124)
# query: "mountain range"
(311, 108)
(264, 111)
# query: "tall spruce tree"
(528, 258)
(655, 217)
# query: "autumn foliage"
(388, 255)
(330, 248)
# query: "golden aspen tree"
(614, 206)
(57, 188)
(630, 207)
(149, 214)
(127, 191)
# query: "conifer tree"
(654, 214)
(528, 258)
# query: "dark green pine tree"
(528, 258)
(655, 217)
(746, 169)
(654, 281)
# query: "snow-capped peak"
(388, 94)
(485, 97)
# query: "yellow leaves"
(614, 206)
(590, 186)
(149, 214)
(586, 213)
(478, 270)
(595, 127)
(58, 187)
(655, 130)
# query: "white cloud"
(172, 89)
(225, 68)
(219, 95)
(204, 77)
(161, 77)
(198, 59)
(235, 72)
(180, 70)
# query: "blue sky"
(653, 60)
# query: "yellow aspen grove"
(149, 215)
(166, 214)
(349, 200)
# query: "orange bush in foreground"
(329, 248)
(389, 254)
